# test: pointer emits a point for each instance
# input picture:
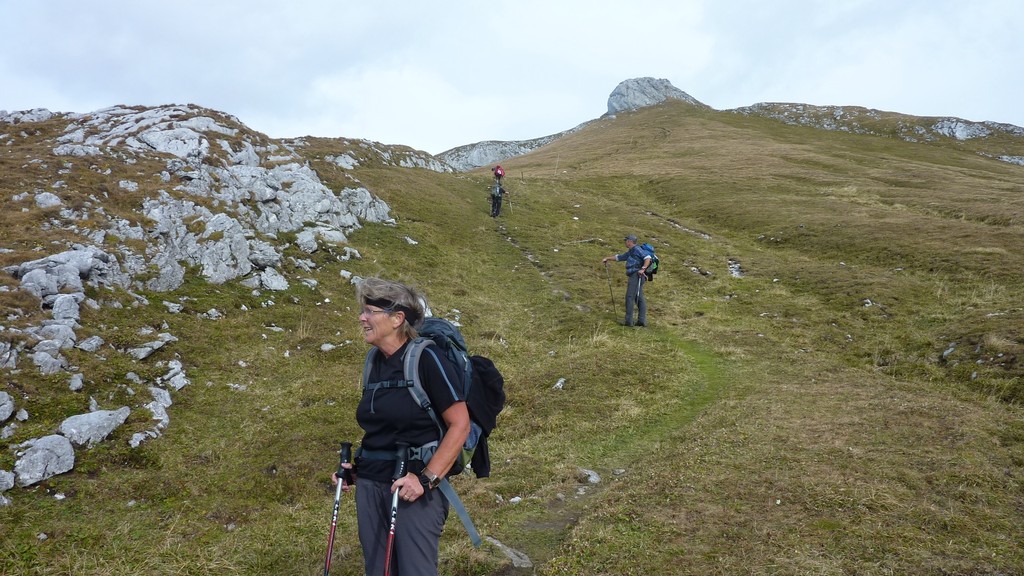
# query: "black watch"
(429, 479)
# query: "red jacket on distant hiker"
(499, 173)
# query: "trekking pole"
(401, 456)
(610, 293)
(343, 474)
(509, 196)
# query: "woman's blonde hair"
(394, 297)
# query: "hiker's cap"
(630, 237)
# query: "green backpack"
(655, 265)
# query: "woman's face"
(377, 324)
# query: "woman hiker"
(388, 415)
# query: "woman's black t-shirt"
(390, 415)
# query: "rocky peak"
(640, 92)
(628, 95)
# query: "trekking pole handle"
(401, 459)
(345, 457)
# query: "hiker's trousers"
(495, 205)
(635, 295)
(417, 529)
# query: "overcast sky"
(435, 75)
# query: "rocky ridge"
(858, 120)
(638, 93)
(489, 152)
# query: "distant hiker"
(496, 193)
(388, 415)
(499, 173)
(637, 262)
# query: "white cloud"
(434, 76)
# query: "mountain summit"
(640, 92)
(631, 94)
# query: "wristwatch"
(431, 480)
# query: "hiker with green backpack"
(390, 417)
(638, 261)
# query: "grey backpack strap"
(460, 509)
(411, 369)
(370, 355)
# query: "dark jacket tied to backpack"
(486, 400)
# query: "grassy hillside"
(805, 417)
